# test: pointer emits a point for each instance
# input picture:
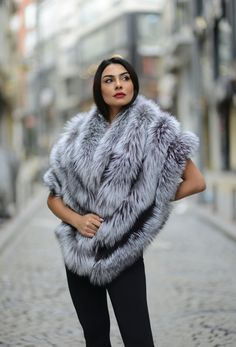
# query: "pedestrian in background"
(113, 175)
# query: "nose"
(118, 84)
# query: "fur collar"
(127, 173)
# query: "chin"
(122, 102)
(121, 105)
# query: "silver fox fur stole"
(127, 173)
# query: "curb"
(13, 227)
(225, 226)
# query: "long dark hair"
(103, 108)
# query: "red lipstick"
(119, 95)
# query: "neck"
(113, 111)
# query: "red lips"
(119, 95)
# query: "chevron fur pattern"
(127, 173)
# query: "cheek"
(105, 92)
(131, 90)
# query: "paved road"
(190, 276)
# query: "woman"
(113, 175)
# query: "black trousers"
(128, 297)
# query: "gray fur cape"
(127, 173)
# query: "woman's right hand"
(88, 224)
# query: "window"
(225, 42)
(183, 14)
(110, 37)
(149, 28)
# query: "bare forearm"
(62, 211)
(185, 189)
(87, 225)
(193, 182)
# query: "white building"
(72, 42)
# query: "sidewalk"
(220, 207)
(187, 283)
(11, 228)
(215, 219)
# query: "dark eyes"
(109, 80)
(123, 78)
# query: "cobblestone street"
(191, 283)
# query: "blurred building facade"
(8, 100)
(63, 51)
(51, 79)
(7, 73)
(200, 57)
(24, 114)
(198, 83)
(128, 28)
(183, 50)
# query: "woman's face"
(116, 86)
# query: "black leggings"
(128, 296)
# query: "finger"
(91, 227)
(87, 234)
(97, 218)
(91, 230)
(96, 223)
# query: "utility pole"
(197, 83)
(38, 80)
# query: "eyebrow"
(123, 73)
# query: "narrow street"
(191, 283)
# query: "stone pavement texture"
(191, 283)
